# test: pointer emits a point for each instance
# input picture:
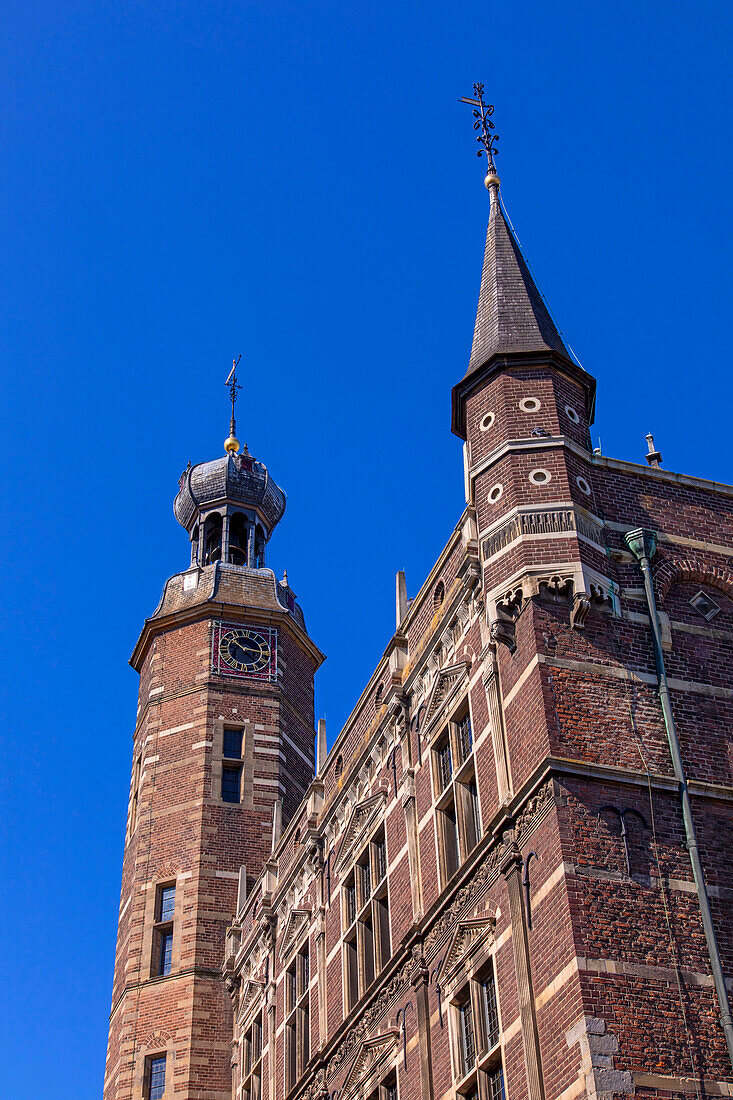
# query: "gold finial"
(232, 444)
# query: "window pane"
(167, 903)
(233, 744)
(380, 858)
(492, 1013)
(468, 1046)
(445, 765)
(465, 736)
(350, 896)
(451, 858)
(365, 877)
(496, 1084)
(230, 784)
(157, 1077)
(166, 952)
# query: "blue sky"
(184, 181)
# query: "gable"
(467, 935)
(297, 921)
(446, 682)
(363, 816)
(371, 1054)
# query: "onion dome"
(234, 479)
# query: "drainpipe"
(642, 545)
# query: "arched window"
(238, 539)
(296, 838)
(378, 697)
(212, 538)
(438, 595)
(339, 766)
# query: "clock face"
(243, 649)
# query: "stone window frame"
(152, 926)
(467, 981)
(251, 1070)
(158, 1045)
(296, 1017)
(371, 953)
(246, 778)
(460, 792)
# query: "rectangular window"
(156, 1077)
(350, 902)
(251, 1065)
(380, 859)
(165, 956)
(466, 1036)
(167, 900)
(165, 907)
(464, 737)
(445, 764)
(297, 1022)
(496, 1084)
(491, 1011)
(365, 915)
(449, 841)
(230, 785)
(233, 744)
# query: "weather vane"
(232, 444)
(482, 113)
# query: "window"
(252, 1061)
(165, 903)
(387, 1089)
(297, 1019)
(456, 794)
(132, 819)
(155, 1077)
(231, 773)
(365, 917)
(477, 1039)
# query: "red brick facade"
(545, 865)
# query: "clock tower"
(223, 744)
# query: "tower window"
(233, 744)
(212, 538)
(438, 595)
(231, 773)
(155, 1084)
(238, 539)
(165, 904)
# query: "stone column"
(511, 868)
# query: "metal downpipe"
(643, 545)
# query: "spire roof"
(511, 316)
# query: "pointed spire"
(512, 319)
(511, 316)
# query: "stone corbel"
(579, 609)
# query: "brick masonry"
(534, 618)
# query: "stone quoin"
(511, 876)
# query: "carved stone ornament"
(467, 935)
(251, 993)
(363, 816)
(579, 610)
(371, 1054)
(556, 587)
(376, 1010)
(297, 922)
(488, 869)
(445, 684)
(503, 631)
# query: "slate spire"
(511, 317)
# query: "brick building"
(491, 886)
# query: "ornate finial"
(232, 444)
(482, 113)
(654, 457)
